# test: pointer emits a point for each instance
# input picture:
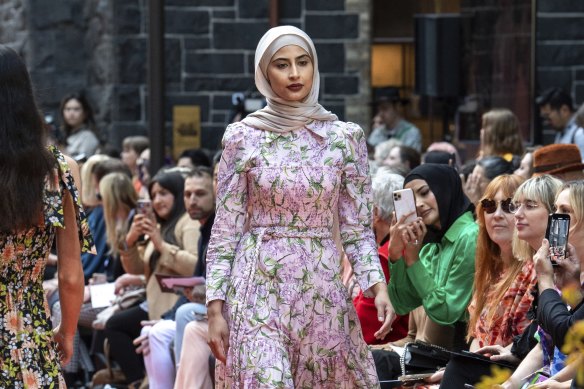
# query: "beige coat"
(174, 260)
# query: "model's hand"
(385, 311)
(64, 345)
(218, 335)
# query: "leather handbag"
(421, 358)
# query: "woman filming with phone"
(552, 313)
(532, 203)
(170, 248)
(432, 257)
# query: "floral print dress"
(28, 354)
(273, 260)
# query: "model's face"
(500, 224)
(73, 113)
(162, 201)
(199, 197)
(531, 221)
(130, 157)
(525, 166)
(290, 73)
(426, 204)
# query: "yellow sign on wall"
(186, 128)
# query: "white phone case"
(404, 203)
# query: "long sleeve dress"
(291, 320)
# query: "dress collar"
(316, 127)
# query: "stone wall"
(100, 46)
(560, 50)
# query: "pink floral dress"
(28, 355)
(292, 323)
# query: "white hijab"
(282, 115)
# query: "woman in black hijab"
(432, 258)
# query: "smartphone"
(404, 203)
(534, 378)
(557, 234)
(144, 207)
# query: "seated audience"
(432, 258)
(170, 249)
(553, 314)
(199, 199)
(503, 283)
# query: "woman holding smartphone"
(502, 293)
(532, 203)
(552, 313)
(432, 258)
(170, 248)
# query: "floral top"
(28, 355)
(510, 317)
(291, 320)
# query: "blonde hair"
(88, 189)
(542, 189)
(488, 261)
(501, 133)
(118, 196)
(576, 197)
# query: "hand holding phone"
(557, 235)
(144, 207)
(404, 204)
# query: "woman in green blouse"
(432, 259)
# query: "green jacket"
(443, 277)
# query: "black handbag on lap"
(420, 358)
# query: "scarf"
(445, 184)
(280, 115)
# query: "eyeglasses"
(490, 205)
(529, 205)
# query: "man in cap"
(387, 101)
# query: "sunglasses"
(490, 205)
